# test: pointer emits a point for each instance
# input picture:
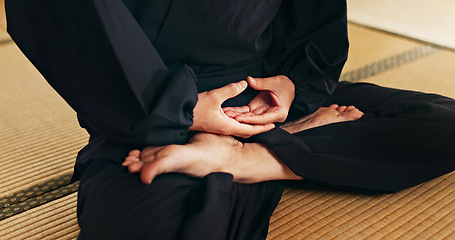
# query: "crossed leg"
(247, 162)
(403, 139)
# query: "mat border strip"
(36, 195)
(388, 63)
(30, 203)
(35, 190)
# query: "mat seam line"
(388, 63)
(39, 200)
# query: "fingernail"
(252, 80)
(243, 84)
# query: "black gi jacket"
(133, 76)
(132, 71)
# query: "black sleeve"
(310, 46)
(96, 56)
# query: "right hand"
(270, 105)
(210, 117)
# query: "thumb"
(262, 83)
(229, 91)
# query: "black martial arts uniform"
(132, 71)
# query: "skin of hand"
(210, 117)
(270, 105)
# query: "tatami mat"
(40, 134)
(40, 138)
(422, 212)
(54, 220)
(435, 74)
(388, 63)
(368, 46)
(429, 21)
(3, 34)
(2, 15)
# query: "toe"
(149, 172)
(135, 167)
(341, 109)
(355, 114)
(334, 106)
(350, 108)
(129, 160)
(135, 153)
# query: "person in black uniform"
(168, 76)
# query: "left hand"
(210, 117)
(270, 105)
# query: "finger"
(237, 109)
(246, 130)
(234, 111)
(256, 119)
(241, 116)
(260, 110)
(232, 114)
(246, 114)
(235, 114)
(269, 84)
(229, 91)
(265, 118)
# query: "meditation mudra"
(197, 110)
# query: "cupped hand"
(270, 105)
(210, 117)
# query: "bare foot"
(324, 116)
(207, 153)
